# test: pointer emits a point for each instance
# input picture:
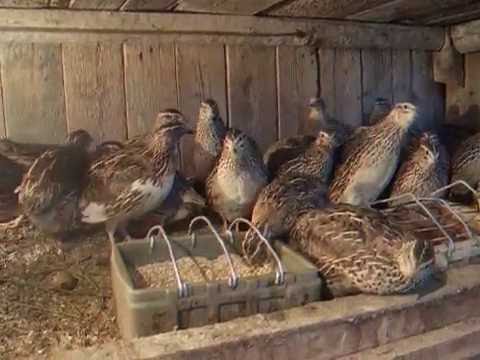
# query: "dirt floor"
(52, 299)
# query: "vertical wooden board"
(401, 75)
(252, 92)
(376, 78)
(423, 88)
(97, 4)
(201, 74)
(147, 5)
(150, 84)
(34, 98)
(463, 103)
(326, 59)
(94, 89)
(348, 87)
(297, 83)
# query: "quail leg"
(111, 228)
(14, 224)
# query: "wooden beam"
(24, 3)
(147, 5)
(64, 26)
(244, 7)
(326, 8)
(454, 16)
(466, 37)
(404, 10)
(96, 4)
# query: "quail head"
(370, 157)
(237, 178)
(128, 184)
(466, 167)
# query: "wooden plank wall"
(115, 90)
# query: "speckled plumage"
(237, 178)
(466, 165)
(209, 136)
(128, 183)
(370, 157)
(425, 169)
(23, 153)
(50, 190)
(360, 250)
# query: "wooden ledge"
(321, 330)
(64, 25)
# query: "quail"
(370, 157)
(128, 184)
(359, 250)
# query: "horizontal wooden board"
(150, 5)
(32, 78)
(94, 90)
(244, 7)
(24, 3)
(45, 25)
(96, 4)
(405, 10)
(325, 9)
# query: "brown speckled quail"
(50, 190)
(289, 148)
(237, 178)
(182, 203)
(370, 158)
(360, 250)
(466, 167)
(209, 135)
(425, 169)
(300, 184)
(128, 184)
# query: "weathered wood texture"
(116, 91)
(201, 74)
(245, 7)
(406, 10)
(326, 8)
(252, 92)
(297, 82)
(94, 90)
(348, 87)
(149, 5)
(463, 103)
(377, 78)
(96, 4)
(466, 37)
(150, 84)
(34, 100)
(61, 26)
